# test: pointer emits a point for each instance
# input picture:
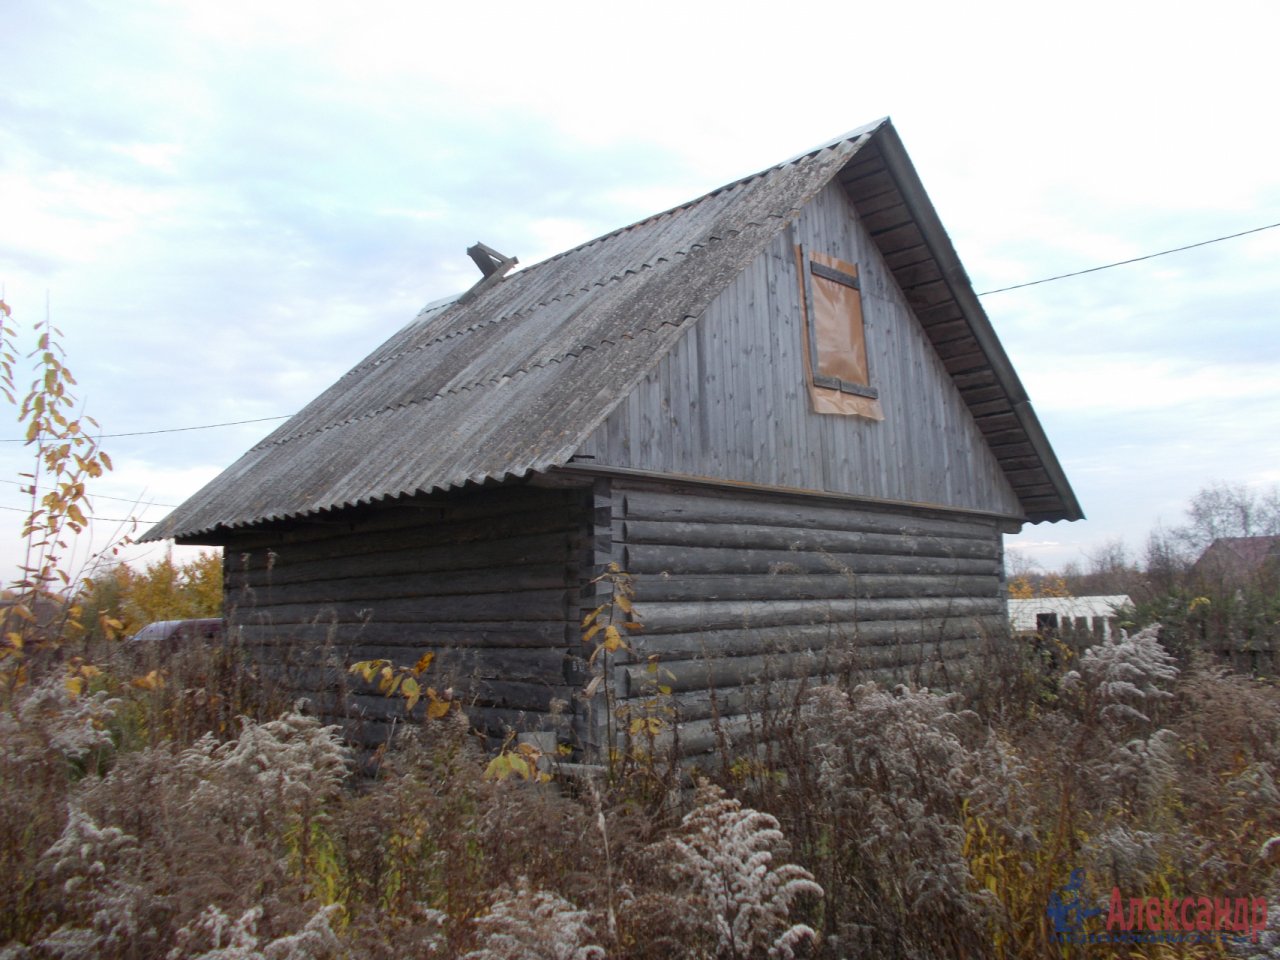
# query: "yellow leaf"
(366, 669)
(423, 663)
(595, 628)
(593, 614)
(74, 685)
(502, 767)
(152, 681)
(613, 639)
(436, 708)
(15, 640)
(411, 691)
(623, 602)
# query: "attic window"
(837, 365)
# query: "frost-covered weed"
(215, 936)
(1141, 770)
(726, 851)
(50, 723)
(535, 924)
(98, 870)
(1124, 676)
(290, 764)
(165, 833)
(1124, 856)
(892, 771)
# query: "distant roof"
(514, 380)
(1238, 557)
(1022, 613)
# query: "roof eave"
(957, 280)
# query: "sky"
(223, 207)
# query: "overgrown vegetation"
(175, 810)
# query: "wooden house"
(780, 408)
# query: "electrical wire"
(1121, 263)
(148, 433)
(145, 523)
(137, 501)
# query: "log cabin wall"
(486, 579)
(742, 596)
(730, 400)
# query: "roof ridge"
(616, 277)
(733, 184)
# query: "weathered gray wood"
(339, 588)
(801, 514)
(813, 540)
(683, 617)
(822, 636)
(410, 636)
(651, 588)
(714, 672)
(459, 665)
(745, 428)
(524, 604)
(299, 566)
(677, 560)
(424, 535)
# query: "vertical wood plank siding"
(744, 596)
(487, 580)
(730, 400)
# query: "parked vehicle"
(169, 636)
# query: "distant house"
(1237, 561)
(1077, 618)
(780, 408)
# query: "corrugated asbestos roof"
(514, 380)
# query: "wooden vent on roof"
(492, 264)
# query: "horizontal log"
(724, 614)
(822, 636)
(676, 560)
(520, 605)
(505, 552)
(497, 721)
(744, 735)
(482, 696)
(279, 555)
(368, 588)
(454, 666)
(765, 701)
(714, 672)
(640, 505)
(651, 587)
(408, 635)
(442, 508)
(754, 536)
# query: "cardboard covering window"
(836, 361)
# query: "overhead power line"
(145, 523)
(148, 433)
(1121, 263)
(137, 501)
